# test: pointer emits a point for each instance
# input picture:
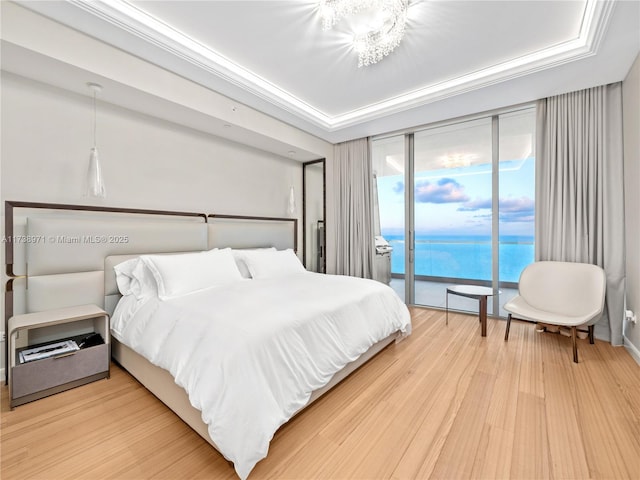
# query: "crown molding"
(125, 16)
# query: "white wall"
(631, 122)
(147, 163)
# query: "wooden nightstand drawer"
(41, 375)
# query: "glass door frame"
(409, 179)
(495, 214)
(409, 195)
(409, 223)
(409, 234)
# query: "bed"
(289, 362)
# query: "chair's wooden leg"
(574, 335)
(591, 339)
(506, 333)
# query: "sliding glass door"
(452, 182)
(468, 217)
(516, 202)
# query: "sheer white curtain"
(579, 189)
(353, 209)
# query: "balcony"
(441, 262)
(431, 293)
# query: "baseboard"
(2, 374)
(632, 349)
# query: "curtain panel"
(353, 209)
(579, 189)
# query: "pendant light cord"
(95, 121)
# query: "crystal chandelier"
(383, 34)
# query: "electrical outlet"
(3, 336)
(630, 316)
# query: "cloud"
(445, 190)
(477, 204)
(517, 209)
(511, 209)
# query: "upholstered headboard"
(67, 266)
(59, 253)
(236, 231)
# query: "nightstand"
(40, 378)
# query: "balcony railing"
(463, 260)
(431, 293)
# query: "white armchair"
(559, 293)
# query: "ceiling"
(457, 57)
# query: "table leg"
(446, 302)
(482, 313)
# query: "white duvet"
(250, 354)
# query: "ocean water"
(465, 257)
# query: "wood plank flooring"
(444, 403)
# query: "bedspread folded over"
(251, 353)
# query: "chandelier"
(383, 32)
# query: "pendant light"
(95, 182)
(291, 206)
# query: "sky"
(457, 201)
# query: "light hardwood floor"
(445, 403)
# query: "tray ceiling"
(457, 57)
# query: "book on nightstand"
(46, 351)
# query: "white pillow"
(270, 264)
(240, 255)
(186, 273)
(124, 276)
(134, 278)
